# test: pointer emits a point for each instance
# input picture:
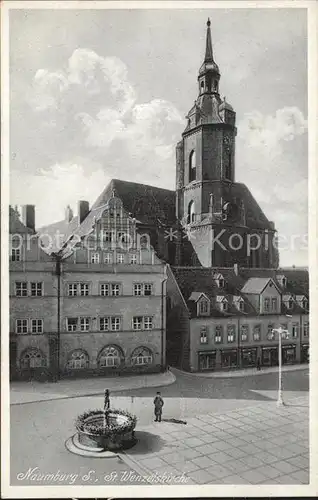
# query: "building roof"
(197, 280)
(149, 205)
(15, 224)
(255, 285)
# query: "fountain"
(103, 430)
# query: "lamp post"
(281, 331)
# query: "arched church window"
(192, 166)
(228, 170)
(191, 212)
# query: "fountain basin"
(118, 434)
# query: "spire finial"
(208, 48)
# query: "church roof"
(148, 204)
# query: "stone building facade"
(95, 306)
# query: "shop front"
(288, 354)
(269, 356)
(248, 357)
(207, 360)
(304, 353)
(229, 358)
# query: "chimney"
(28, 216)
(83, 210)
(236, 269)
(68, 214)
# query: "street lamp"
(282, 333)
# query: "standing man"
(158, 402)
(258, 364)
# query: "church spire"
(208, 46)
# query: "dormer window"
(239, 303)
(305, 304)
(203, 306)
(288, 301)
(222, 302)
(219, 280)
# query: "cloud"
(272, 161)
(64, 185)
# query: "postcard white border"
(155, 491)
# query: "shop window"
(229, 359)
(32, 358)
(78, 360)
(207, 361)
(142, 356)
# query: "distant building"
(221, 318)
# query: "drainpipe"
(162, 322)
(58, 274)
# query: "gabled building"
(94, 304)
(213, 329)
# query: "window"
(142, 289)
(274, 304)
(84, 289)
(147, 289)
(305, 304)
(36, 289)
(84, 324)
(218, 334)
(295, 330)
(270, 333)
(107, 236)
(104, 324)
(191, 212)
(192, 166)
(137, 322)
(71, 324)
(203, 307)
(115, 289)
(133, 258)
(241, 305)
(148, 323)
(21, 326)
(203, 335)
(72, 289)
(104, 289)
(15, 254)
(36, 325)
(78, 359)
(95, 258)
(32, 358)
(231, 333)
(21, 289)
(120, 258)
(244, 333)
(306, 329)
(221, 282)
(290, 303)
(110, 356)
(266, 305)
(257, 332)
(224, 305)
(107, 289)
(107, 258)
(142, 356)
(115, 323)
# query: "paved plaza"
(234, 431)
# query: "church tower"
(208, 200)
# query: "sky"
(102, 94)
